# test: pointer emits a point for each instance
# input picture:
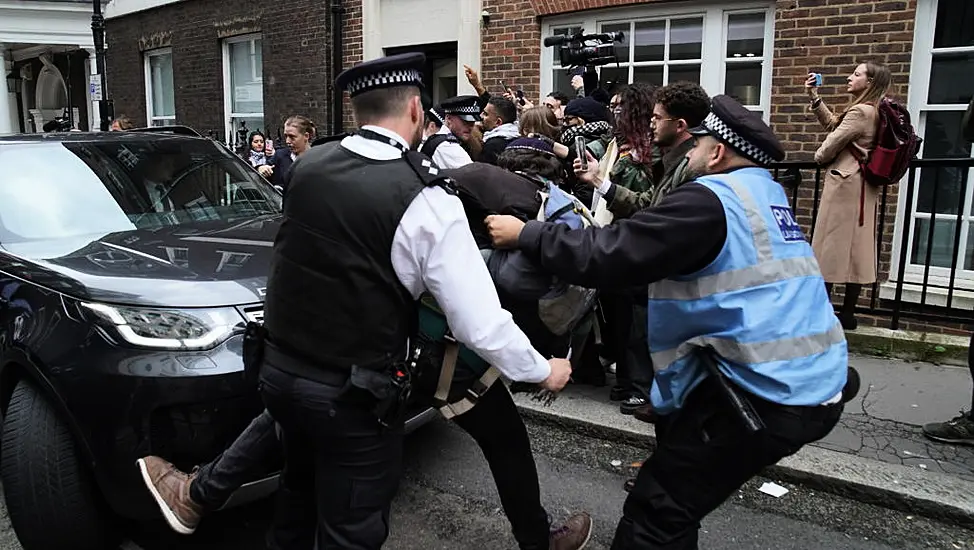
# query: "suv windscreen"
(70, 189)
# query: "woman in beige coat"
(844, 239)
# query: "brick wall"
(831, 37)
(511, 45)
(295, 52)
(351, 48)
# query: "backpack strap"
(435, 141)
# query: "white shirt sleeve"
(451, 155)
(605, 186)
(434, 250)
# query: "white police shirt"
(434, 250)
(449, 154)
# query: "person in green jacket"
(677, 108)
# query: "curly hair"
(684, 100)
(635, 117)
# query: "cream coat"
(846, 250)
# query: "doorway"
(440, 74)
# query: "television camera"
(58, 124)
(585, 50)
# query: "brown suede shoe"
(646, 414)
(573, 534)
(170, 488)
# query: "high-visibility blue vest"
(760, 305)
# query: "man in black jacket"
(499, 122)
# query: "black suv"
(129, 264)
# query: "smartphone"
(580, 151)
(818, 79)
(503, 86)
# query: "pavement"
(447, 501)
(876, 454)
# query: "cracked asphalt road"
(447, 501)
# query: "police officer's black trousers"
(703, 456)
(339, 461)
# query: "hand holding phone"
(580, 152)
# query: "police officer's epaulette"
(429, 172)
(327, 139)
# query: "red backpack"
(896, 145)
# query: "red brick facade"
(295, 54)
(827, 36)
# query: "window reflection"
(955, 24)
(75, 189)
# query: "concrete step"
(940, 349)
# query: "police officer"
(737, 308)
(434, 121)
(368, 226)
(445, 146)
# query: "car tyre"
(51, 497)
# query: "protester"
(260, 150)
(499, 122)
(555, 102)
(121, 123)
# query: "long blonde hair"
(880, 81)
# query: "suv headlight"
(176, 329)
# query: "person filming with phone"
(844, 238)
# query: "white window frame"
(229, 115)
(919, 84)
(713, 50)
(150, 116)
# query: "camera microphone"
(556, 40)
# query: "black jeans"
(634, 369)
(703, 456)
(497, 428)
(256, 446)
(216, 481)
(339, 461)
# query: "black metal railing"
(804, 179)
